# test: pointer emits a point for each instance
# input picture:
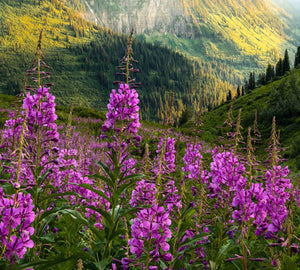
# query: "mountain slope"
(83, 59)
(241, 34)
(21, 23)
(281, 99)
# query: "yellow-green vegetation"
(280, 99)
(250, 25)
(245, 35)
(83, 59)
(242, 35)
(21, 22)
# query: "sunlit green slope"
(241, 34)
(281, 99)
(83, 59)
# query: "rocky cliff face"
(146, 16)
(292, 7)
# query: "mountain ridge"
(229, 31)
(83, 59)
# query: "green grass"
(259, 99)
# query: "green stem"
(176, 236)
(244, 254)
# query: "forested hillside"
(241, 35)
(209, 187)
(279, 99)
(83, 59)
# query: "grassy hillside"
(281, 99)
(21, 23)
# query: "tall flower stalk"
(126, 66)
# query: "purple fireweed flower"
(151, 224)
(123, 106)
(278, 191)
(168, 158)
(193, 160)
(226, 177)
(16, 216)
(264, 206)
(41, 112)
(171, 197)
(38, 114)
(143, 194)
(167, 257)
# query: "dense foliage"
(242, 35)
(139, 197)
(83, 58)
(212, 214)
(135, 196)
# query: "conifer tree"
(238, 91)
(242, 90)
(262, 79)
(297, 58)
(270, 73)
(229, 95)
(279, 68)
(246, 87)
(286, 62)
(251, 82)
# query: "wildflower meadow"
(136, 196)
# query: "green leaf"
(116, 173)
(191, 243)
(162, 264)
(102, 264)
(40, 179)
(104, 214)
(212, 265)
(113, 156)
(53, 211)
(236, 263)
(121, 189)
(288, 263)
(76, 215)
(91, 188)
(224, 248)
(106, 169)
(47, 238)
(124, 212)
(108, 181)
(135, 176)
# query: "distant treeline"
(272, 73)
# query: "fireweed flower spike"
(16, 216)
(123, 107)
(143, 194)
(226, 177)
(126, 65)
(151, 226)
(167, 149)
(41, 112)
(193, 163)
